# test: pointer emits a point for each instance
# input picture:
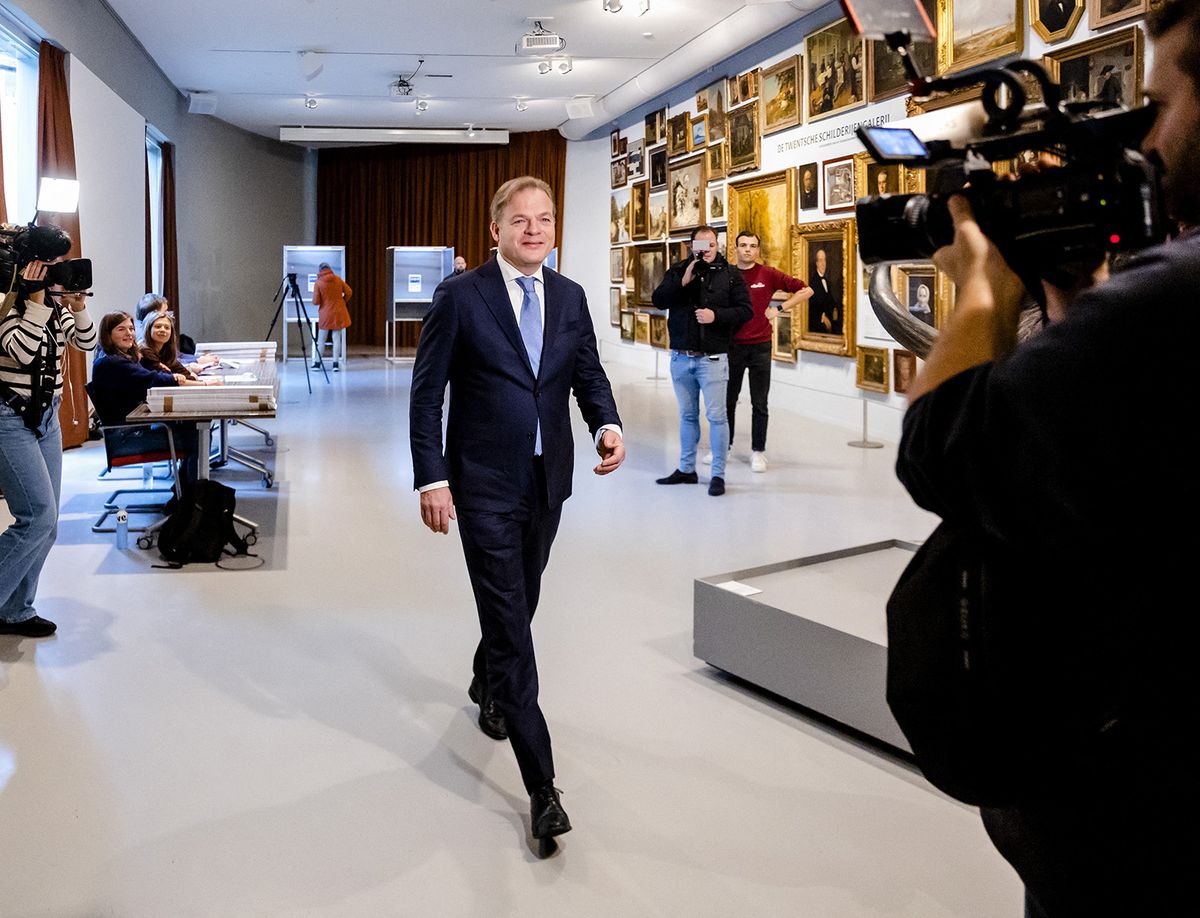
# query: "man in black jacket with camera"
(706, 302)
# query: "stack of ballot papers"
(219, 399)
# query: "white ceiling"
(247, 53)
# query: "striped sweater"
(21, 336)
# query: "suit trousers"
(757, 359)
(506, 554)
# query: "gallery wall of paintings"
(768, 145)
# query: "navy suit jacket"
(470, 340)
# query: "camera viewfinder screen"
(895, 143)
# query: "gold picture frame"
(779, 95)
(1054, 20)
(715, 105)
(783, 339)
(655, 127)
(908, 278)
(745, 142)
(766, 206)
(650, 266)
(659, 336)
(872, 372)
(656, 215)
(900, 179)
(904, 370)
(1003, 38)
(686, 182)
(618, 226)
(679, 134)
(1072, 65)
(641, 332)
(1098, 18)
(825, 94)
(616, 302)
(827, 318)
(717, 154)
(616, 265)
(638, 215)
(699, 129)
(628, 324)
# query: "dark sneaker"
(31, 627)
(678, 477)
(716, 487)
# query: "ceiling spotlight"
(565, 65)
(309, 101)
(612, 6)
(643, 7)
(422, 105)
(521, 104)
(310, 63)
(470, 130)
(544, 66)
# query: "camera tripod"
(287, 287)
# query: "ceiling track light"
(522, 105)
(545, 66)
(310, 101)
(565, 66)
(612, 6)
(422, 106)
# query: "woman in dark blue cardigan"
(120, 383)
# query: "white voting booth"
(304, 261)
(413, 273)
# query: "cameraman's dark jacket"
(717, 286)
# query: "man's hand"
(437, 509)
(772, 312)
(972, 257)
(688, 273)
(612, 453)
(705, 316)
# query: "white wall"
(110, 150)
(585, 234)
(817, 385)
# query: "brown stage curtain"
(369, 198)
(170, 246)
(56, 159)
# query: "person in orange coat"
(330, 294)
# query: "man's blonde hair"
(505, 193)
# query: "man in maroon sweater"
(750, 348)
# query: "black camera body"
(1050, 223)
(20, 245)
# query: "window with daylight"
(18, 121)
(154, 186)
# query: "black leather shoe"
(678, 477)
(491, 721)
(31, 627)
(716, 487)
(546, 815)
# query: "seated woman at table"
(120, 383)
(160, 347)
(155, 304)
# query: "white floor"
(297, 740)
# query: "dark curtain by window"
(56, 159)
(369, 198)
(170, 246)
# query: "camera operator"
(1065, 456)
(32, 337)
(707, 301)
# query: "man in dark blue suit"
(513, 339)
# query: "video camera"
(1053, 222)
(20, 245)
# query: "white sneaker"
(706, 459)
(758, 462)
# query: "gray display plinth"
(816, 634)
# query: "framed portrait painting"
(808, 186)
(679, 134)
(824, 255)
(638, 194)
(872, 373)
(618, 221)
(616, 301)
(716, 161)
(766, 206)
(783, 347)
(1103, 13)
(779, 102)
(1104, 69)
(656, 127)
(651, 261)
(658, 331)
(1054, 20)
(838, 181)
(872, 178)
(715, 105)
(614, 143)
(656, 215)
(745, 149)
(971, 32)
(835, 63)
(658, 169)
(685, 194)
(616, 265)
(716, 204)
(904, 370)
(748, 85)
(620, 174)
(925, 292)
(636, 159)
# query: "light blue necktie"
(531, 334)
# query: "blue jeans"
(691, 376)
(31, 477)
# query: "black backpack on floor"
(200, 526)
